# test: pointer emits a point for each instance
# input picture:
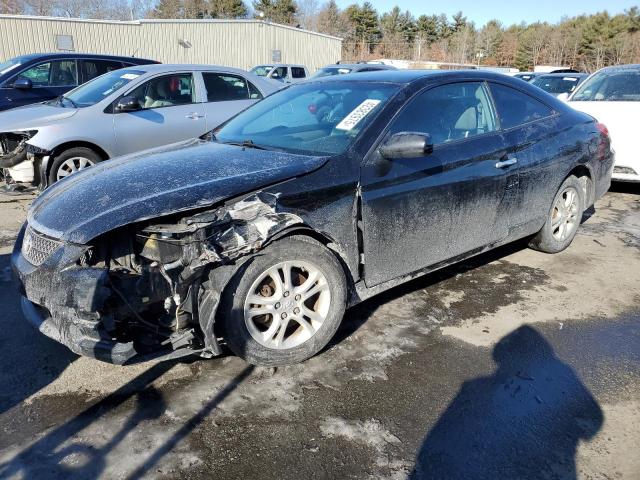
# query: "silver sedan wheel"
(72, 165)
(287, 304)
(565, 214)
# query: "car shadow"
(30, 361)
(528, 416)
(60, 453)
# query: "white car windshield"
(261, 70)
(610, 86)
(101, 87)
(312, 119)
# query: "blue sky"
(514, 11)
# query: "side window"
(297, 72)
(254, 93)
(449, 112)
(280, 72)
(224, 87)
(166, 91)
(94, 68)
(58, 73)
(516, 108)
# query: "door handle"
(194, 115)
(507, 163)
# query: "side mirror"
(128, 104)
(563, 96)
(406, 145)
(22, 84)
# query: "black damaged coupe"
(318, 197)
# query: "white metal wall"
(234, 43)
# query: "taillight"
(603, 129)
(604, 145)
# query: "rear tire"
(72, 160)
(563, 218)
(271, 321)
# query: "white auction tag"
(129, 76)
(357, 114)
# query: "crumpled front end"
(145, 290)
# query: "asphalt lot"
(515, 364)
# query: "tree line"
(585, 42)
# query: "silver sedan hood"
(32, 117)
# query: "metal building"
(234, 43)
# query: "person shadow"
(523, 421)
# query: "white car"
(281, 72)
(612, 96)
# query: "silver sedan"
(122, 112)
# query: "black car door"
(529, 128)
(48, 80)
(419, 212)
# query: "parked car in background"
(612, 95)
(527, 76)
(344, 68)
(559, 83)
(122, 112)
(282, 72)
(265, 234)
(43, 76)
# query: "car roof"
(381, 66)
(52, 55)
(564, 75)
(410, 76)
(172, 67)
(622, 68)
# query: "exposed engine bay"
(162, 276)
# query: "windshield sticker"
(343, 70)
(361, 111)
(570, 79)
(129, 76)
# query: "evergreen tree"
(227, 8)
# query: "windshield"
(330, 71)
(261, 70)
(610, 86)
(311, 119)
(10, 65)
(101, 87)
(556, 85)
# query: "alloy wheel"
(287, 304)
(565, 214)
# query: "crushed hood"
(32, 117)
(151, 184)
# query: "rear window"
(557, 85)
(330, 71)
(297, 72)
(517, 108)
(610, 86)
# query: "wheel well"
(324, 240)
(584, 175)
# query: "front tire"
(563, 219)
(71, 161)
(286, 303)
